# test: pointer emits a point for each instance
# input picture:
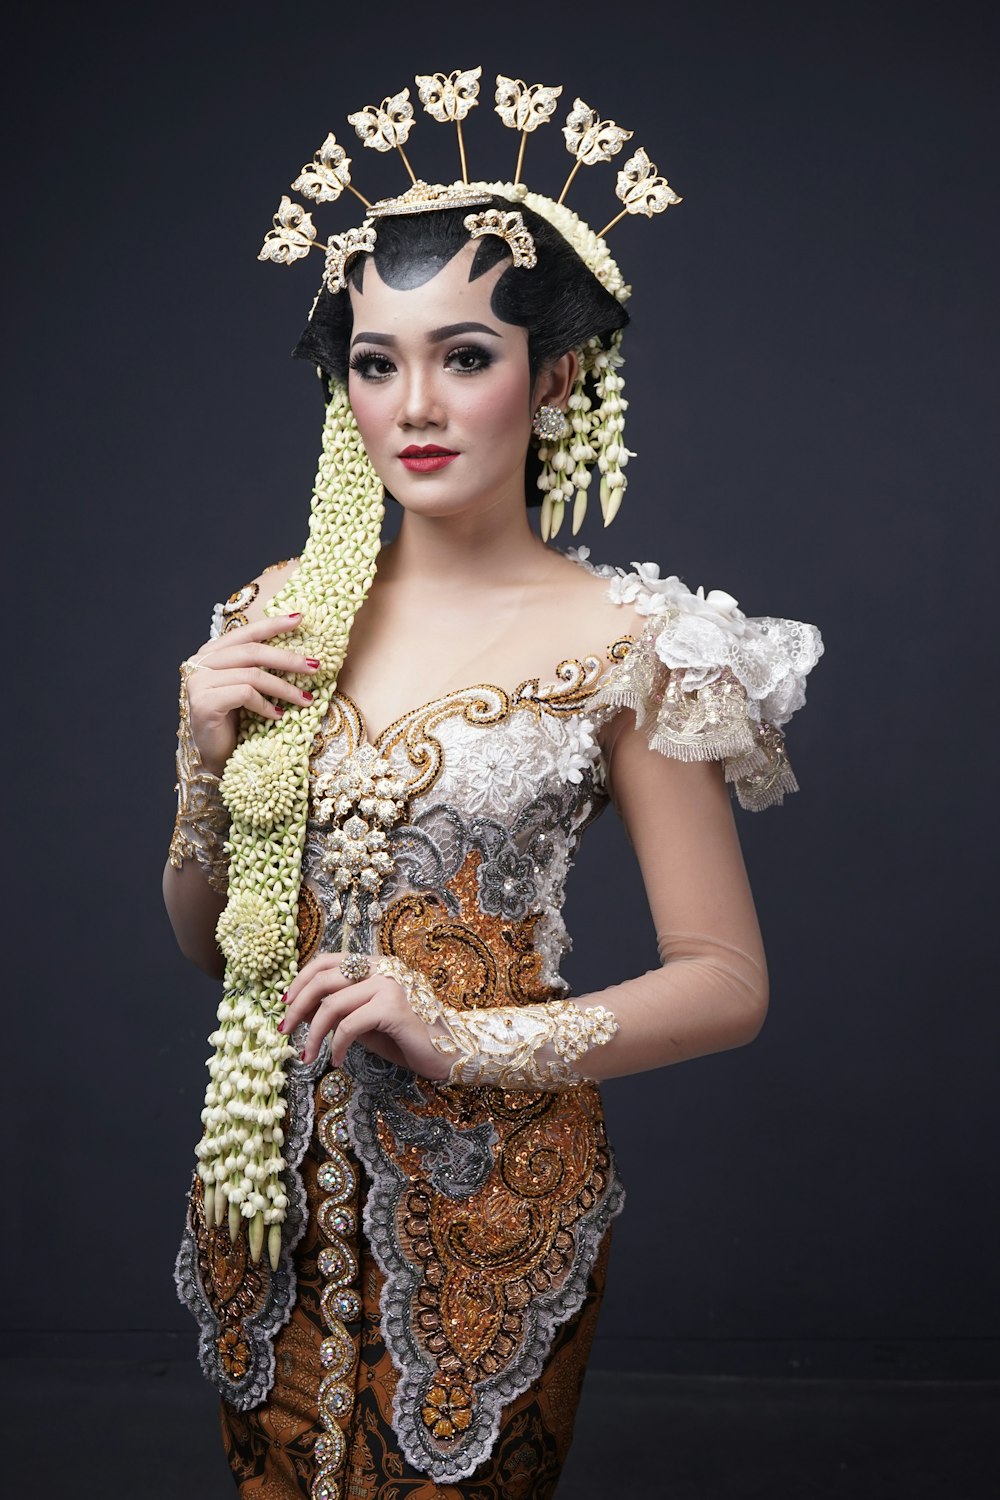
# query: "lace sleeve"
(710, 990)
(201, 826)
(706, 682)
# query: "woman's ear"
(556, 381)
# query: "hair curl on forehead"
(559, 301)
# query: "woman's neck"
(491, 546)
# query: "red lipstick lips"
(426, 460)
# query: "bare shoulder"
(246, 604)
(588, 612)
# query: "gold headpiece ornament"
(449, 98)
(594, 433)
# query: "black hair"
(559, 301)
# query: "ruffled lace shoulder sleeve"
(233, 611)
(706, 682)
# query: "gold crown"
(448, 98)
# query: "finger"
(258, 654)
(336, 1003)
(263, 629)
(235, 695)
(320, 963)
(258, 678)
(334, 1014)
(256, 630)
(310, 987)
(315, 965)
(360, 1021)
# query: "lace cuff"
(507, 1046)
(202, 823)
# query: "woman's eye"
(371, 366)
(469, 359)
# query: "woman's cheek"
(365, 406)
(360, 405)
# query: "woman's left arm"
(710, 991)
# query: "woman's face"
(441, 390)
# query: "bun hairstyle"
(559, 300)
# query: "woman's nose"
(420, 403)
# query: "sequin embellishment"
(339, 1301)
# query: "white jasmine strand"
(266, 791)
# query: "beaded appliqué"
(340, 1302)
(359, 800)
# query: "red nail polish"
(296, 616)
(307, 696)
(278, 711)
(302, 1055)
(312, 662)
(284, 999)
(281, 1025)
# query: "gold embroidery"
(481, 705)
(234, 611)
(486, 1257)
(310, 924)
(618, 650)
(448, 1410)
(235, 608)
(342, 718)
(574, 682)
(470, 959)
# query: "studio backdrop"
(806, 370)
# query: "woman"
(397, 914)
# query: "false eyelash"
(484, 356)
(364, 357)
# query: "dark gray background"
(807, 378)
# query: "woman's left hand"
(373, 1011)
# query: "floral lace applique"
(706, 681)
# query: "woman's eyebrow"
(438, 335)
(373, 338)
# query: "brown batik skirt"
(270, 1449)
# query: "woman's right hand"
(241, 670)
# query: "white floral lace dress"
(484, 1210)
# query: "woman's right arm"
(238, 670)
